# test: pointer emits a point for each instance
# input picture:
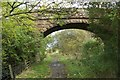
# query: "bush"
(92, 52)
(20, 42)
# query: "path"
(57, 70)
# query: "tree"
(69, 42)
(18, 14)
(20, 39)
(107, 28)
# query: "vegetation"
(37, 70)
(108, 31)
(84, 53)
(94, 56)
(21, 41)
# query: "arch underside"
(83, 26)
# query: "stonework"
(43, 24)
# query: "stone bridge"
(78, 20)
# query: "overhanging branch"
(37, 11)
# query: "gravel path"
(57, 70)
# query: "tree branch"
(34, 6)
(21, 13)
(37, 11)
(13, 7)
(9, 4)
(13, 3)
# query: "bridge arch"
(83, 26)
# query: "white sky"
(65, 3)
(62, 0)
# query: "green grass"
(42, 70)
(73, 70)
(37, 70)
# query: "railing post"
(11, 72)
(26, 64)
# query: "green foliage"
(37, 70)
(93, 51)
(92, 46)
(20, 42)
(70, 41)
(20, 39)
(107, 28)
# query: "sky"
(50, 45)
(62, 0)
(64, 3)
